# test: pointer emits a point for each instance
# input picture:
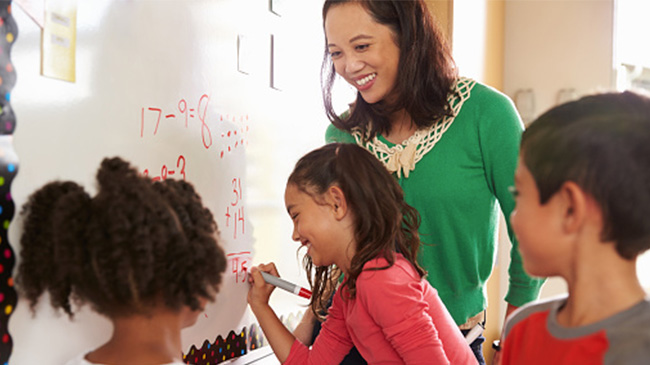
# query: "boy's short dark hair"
(602, 143)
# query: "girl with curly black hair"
(144, 254)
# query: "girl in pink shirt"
(350, 215)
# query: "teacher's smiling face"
(363, 51)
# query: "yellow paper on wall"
(59, 40)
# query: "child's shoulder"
(628, 335)
(532, 309)
(382, 288)
(378, 268)
(631, 324)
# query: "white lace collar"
(403, 157)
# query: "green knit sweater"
(457, 187)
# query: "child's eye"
(513, 190)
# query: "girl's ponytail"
(51, 242)
(134, 246)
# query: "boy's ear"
(337, 200)
(574, 206)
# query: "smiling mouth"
(366, 79)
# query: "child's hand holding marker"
(264, 278)
(260, 291)
(283, 284)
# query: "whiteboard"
(223, 93)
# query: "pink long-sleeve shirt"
(396, 318)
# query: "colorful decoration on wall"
(235, 344)
(8, 169)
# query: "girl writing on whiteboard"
(143, 254)
(350, 215)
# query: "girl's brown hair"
(427, 72)
(383, 222)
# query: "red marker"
(283, 284)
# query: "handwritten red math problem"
(235, 136)
(185, 113)
(171, 171)
(235, 218)
(239, 265)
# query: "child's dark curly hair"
(134, 246)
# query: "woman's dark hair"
(427, 72)
(384, 222)
(134, 246)
(601, 143)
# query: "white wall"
(553, 45)
(469, 38)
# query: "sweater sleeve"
(395, 302)
(499, 136)
(333, 134)
(332, 343)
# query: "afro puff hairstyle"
(135, 245)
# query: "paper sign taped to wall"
(59, 40)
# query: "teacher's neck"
(401, 127)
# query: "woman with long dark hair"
(451, 142)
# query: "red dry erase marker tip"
(305, 293)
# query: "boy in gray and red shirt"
(582, 189)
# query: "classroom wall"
(557, 50)
(227, 85)
(443, 13)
